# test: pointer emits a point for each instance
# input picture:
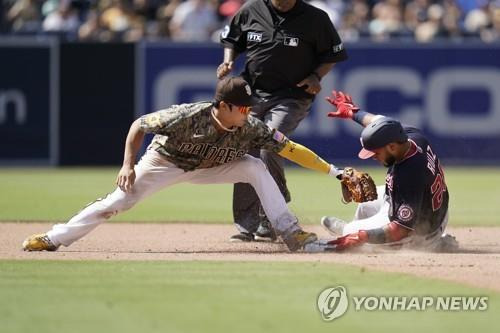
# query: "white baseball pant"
(154, 172)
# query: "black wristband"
(358, 116)
(376, 236)
(317, 75)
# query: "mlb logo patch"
(254, 37)
(291, 41)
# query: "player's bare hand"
(343, 102)
(224, 69)
(312, 84)
(126, 178)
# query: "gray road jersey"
(187, 137)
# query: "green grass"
(56, 194)
(93, 296)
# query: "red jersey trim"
(411, 152)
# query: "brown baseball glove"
(357, 186)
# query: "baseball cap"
(379, 133)
(234, 90)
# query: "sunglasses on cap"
(243, 109)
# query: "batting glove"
(349, 241)
(343, 102)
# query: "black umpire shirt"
(282, 48)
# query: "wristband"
(335, 172)
(358, 116)
(376, 236)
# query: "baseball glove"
(357, 186)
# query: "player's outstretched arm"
(126, 177)
(389, 233)
(306, 158)
(346, 109)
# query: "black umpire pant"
(283, 114)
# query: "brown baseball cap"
(234, 90)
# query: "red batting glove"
(343, 102)
(349, 241)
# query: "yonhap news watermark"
(333, 302)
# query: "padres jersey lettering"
(186, 136)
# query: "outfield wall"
(73, 104)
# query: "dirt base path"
(476, 264)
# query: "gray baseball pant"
(283, 114)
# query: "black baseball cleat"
(241, 237)
(265, 232)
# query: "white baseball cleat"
(447, 244)
(333, 225)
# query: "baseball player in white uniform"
(199, 143)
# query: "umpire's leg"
(284, 114)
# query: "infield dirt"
(477, 263)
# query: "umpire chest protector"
(282, 48)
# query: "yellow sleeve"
(304, 157)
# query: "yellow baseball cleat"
(296, 240)
(39, 242)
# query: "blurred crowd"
(201, 20)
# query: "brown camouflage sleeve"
(161, 121)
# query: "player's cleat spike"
(265, 232)
(241, 237)
(39, 242)
(298, 239)
(333, 225)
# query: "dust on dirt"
(476, 264)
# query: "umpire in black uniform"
(290, 45)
